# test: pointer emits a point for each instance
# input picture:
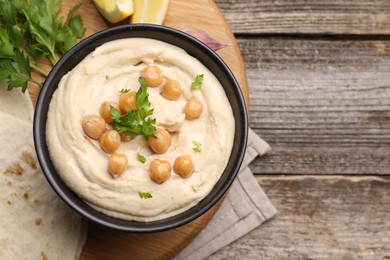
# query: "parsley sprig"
(141, 158)
(31, 30)
(145, 195)
(138, 120)
(124, 90)
(197, 146)
(197, 84)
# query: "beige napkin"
(245, 207)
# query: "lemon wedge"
(149, 11)
(114, 10)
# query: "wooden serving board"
(103, 243)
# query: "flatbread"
(34, 222)
(16, 103)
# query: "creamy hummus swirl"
(82, 164)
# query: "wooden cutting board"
(103, 243)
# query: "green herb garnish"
(107, 77)
(141, 158)
(145, 195)
(31, 29)
(124, 90)
(137, 121)
(197, 146)
(198, 82)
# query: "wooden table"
(319, 92)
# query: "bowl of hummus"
(140, 128)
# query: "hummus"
(82, 164)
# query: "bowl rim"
(40, 119)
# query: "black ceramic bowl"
(196, 49)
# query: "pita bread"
(16, 103)
(35, 223)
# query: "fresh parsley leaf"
(145, 195)
(124, 90)
(16, 71)
(69, 30)
(8, 12)
(6, 47)
(31, 29)
(198, 82)
(36, 51)
(75, 23)
(142, 99)
(115, 114)
(137, 121)
(22, 62)
(141, 158)
(42, 32)
(52, 7)
(197, 146)
(50, 33)
(107, 77)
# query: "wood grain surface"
(319, 93)
(103, 243)
(327, 217)
(351, 17)
(323, 104)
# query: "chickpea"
(184, 166)
(152, 75)
(159, 170)
(105, 110)
(160, 144)
(117, 164)
(127, 101)
(93, 126)
(171, 90)
(110, 141)
(193, 108)
(125, 138)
